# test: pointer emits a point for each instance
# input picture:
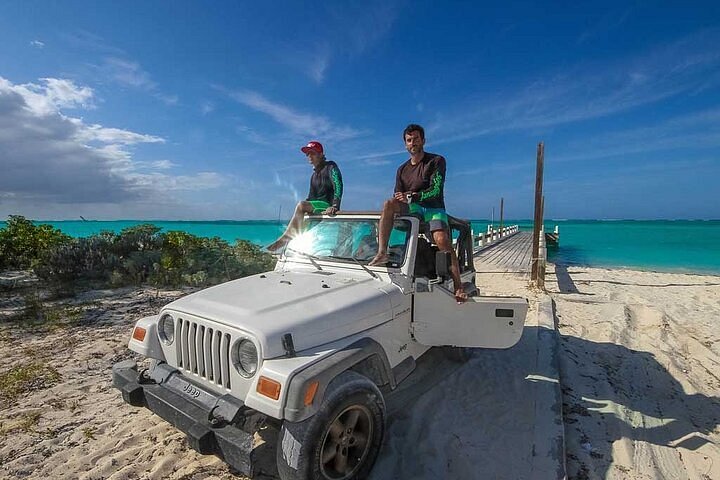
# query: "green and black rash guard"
(326, 184)
(426, 179)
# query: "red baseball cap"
(313, 146)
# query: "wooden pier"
(511, 255)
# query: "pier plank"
(512, 255)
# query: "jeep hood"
(315, 307)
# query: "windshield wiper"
(372, 274)
(309, 256)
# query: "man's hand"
(330, 211)
(402, 196)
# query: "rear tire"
(342, 440)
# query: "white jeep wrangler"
(309, 346)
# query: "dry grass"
(26, 378)
(23, 423)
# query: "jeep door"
(488, 322)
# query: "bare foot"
(461, 296)
(278, 244)
(379, 260)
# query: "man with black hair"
(326, 188)
(419, 189)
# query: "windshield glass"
(347, 239)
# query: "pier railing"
(493, 236)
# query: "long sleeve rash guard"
(426, 179)
(326, 184)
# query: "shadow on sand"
(622, 393)
(444, 420)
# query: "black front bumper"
(209, 421)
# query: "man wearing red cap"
(326, 189)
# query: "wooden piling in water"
(537, 222)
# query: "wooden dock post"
(537, 223)
(501, 215)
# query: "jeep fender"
(365, 356)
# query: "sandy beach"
(640, 370)
(640, 356)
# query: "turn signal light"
(139, 334)
(268, 387)
(310, 392)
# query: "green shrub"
(22, 243)
(137, 239)
(136, 255)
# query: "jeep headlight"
(246, 358)
(166, 329)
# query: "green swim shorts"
(436, 218)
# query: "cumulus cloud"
(37, 44)
(98, 133)
(49, 96)
(49, 158)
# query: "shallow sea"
(660, 245)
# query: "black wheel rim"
(346, 443)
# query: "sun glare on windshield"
(351, 240)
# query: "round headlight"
(246, 358)
(166, 329)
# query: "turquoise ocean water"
(683, 245)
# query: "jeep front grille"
(204, 351)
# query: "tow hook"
(144, 377)
(216, 421)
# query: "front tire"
(342, 440)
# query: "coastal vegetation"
(137, 255)
(63, 266)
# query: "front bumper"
(209, 421)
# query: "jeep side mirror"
(442, 264)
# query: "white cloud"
(347, 29)
(373, 162)
(128, 73)
(51, 95)
(196, 182)
(158, 164)
(117, 136)
(51, 159)
(37, 44)
(131, 74)
(307, 124)
(85, 40)
(589, 91)
(699, 130)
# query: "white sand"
(640, 366)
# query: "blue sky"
(197, 110)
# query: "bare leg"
(391, 207)
(294, 227)
(442, 240)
